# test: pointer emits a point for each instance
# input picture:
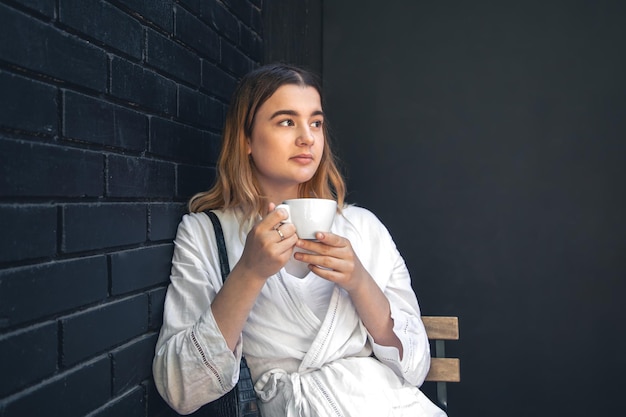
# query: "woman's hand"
(269, 244)
(334, 259)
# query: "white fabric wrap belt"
(277, 380)
(305, 393)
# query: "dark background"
(488, 136)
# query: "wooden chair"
(442, 369)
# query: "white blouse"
(308, 351)
(314, 291)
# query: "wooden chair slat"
(441, 328)
(438, 329)
(444, 370)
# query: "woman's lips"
(303, 158)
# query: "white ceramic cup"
(310, 215)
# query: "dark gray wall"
(489, 137)
(292, 32)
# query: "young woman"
(346, 340)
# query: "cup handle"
(286, 208)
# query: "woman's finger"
(273, 218)
(330, 239)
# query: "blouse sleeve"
(193, 364)
(390, 272)
(408, 327)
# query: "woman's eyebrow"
(294, 113)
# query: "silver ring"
(282, 237)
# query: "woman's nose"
(306, 137)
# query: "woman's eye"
(317, 124)
(286, 123)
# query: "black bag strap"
(241, 401)
(221, 244)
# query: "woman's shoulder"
(365, 231)
(354, 213)
(200, 220)
(197, 227)
(191, 224)
(362, 218)
(193, 219)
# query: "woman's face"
(287, 140)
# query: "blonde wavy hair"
(236, 185)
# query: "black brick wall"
(110, 115)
